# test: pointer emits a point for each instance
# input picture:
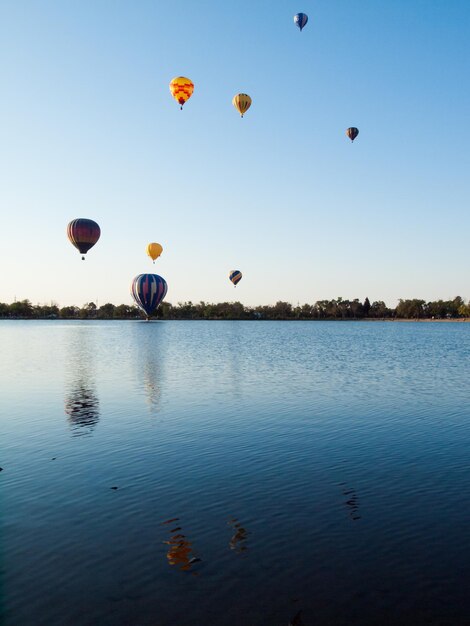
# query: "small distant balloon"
(352, 133)
(154, 250)
(300, 20)
(181, 89)
(242, 102)
(83, 234)
(235, 276)
(148, 290)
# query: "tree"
(282, 310)
(379, 310)
(356, 308)
(23, 308)
(105, 312)
(69, 312)
(410, 309)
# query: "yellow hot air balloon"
(242, 102)
(154, 250)
(181, 89)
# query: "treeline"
(336, 309)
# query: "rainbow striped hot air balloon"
(83, 234)
(300, 20)
(181, 89)
(148, 290)
(235, 276)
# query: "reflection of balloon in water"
(297, 620)
(82, 407)
(148, 290)
(238, 541)
(300, 20)
(154, 250)
(181, 89)
(83, 233)
(352, 133)
(235, 276)
(180, 551)
(242, 102)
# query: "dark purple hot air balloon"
(83, 233)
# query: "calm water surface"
(234, 473)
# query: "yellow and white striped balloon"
(242, 102)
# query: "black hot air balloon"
(352, 133)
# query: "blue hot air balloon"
(300, 20)
(148, 290)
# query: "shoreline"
(429, 320)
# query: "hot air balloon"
(148, 290)
(181, 89)
(352, 133)
(83, 233)
(242, 102)
(235, 276)
(154, 250)
(300, 20)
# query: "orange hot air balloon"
(181, 89)
(154, 250)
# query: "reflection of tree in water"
(238, 540)
(180, 552)
(83, 408)
(81, 400)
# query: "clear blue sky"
(89, 129)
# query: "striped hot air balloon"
(235, 276)
(352, 133)
(83, 234)
(242, 102)
(148, 290)
(300, 20)
(181, 89)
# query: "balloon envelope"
(148, 290)
(181, 89)
(154, 250)
(300, 20)
(242, 102)
(83, 234)
(235, 276)
(352, 133)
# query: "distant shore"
(456, 310)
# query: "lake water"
(234, 473)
